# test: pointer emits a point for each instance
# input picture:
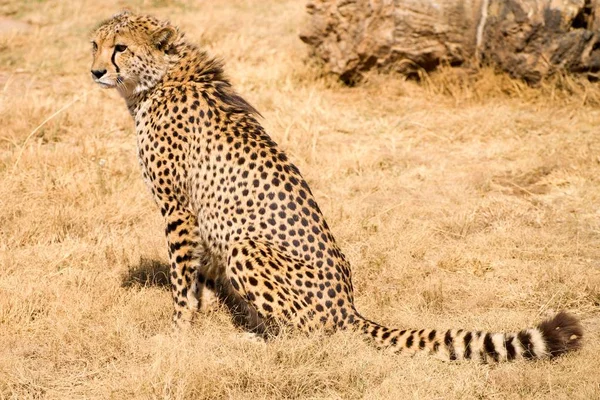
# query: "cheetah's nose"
(98, 73)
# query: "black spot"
(489, 346)
(467, 342)
(375, 331)
(267, 308)
(510, 349)
(431, 335)
(525, 339)
(449, 345)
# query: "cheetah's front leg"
(182, 239)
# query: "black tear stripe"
(112, 59)
(448, 342)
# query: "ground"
(465, 200)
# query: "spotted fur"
(239, 217)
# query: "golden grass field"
(463, 201)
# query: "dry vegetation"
(463, 201)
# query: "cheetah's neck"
(188, 64)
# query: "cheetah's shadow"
(148, 272)
(152, 272)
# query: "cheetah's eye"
(119, 48)
(94, 46)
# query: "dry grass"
(465, 201)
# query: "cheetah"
(240, 219)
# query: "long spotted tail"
(549, 339)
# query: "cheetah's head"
(131, 52)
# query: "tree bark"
(531, 39)
(527, 38)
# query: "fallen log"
(529, 39)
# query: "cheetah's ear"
(164, 36)
(123, 13)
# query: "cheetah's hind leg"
(262, 276)
(243, 313)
